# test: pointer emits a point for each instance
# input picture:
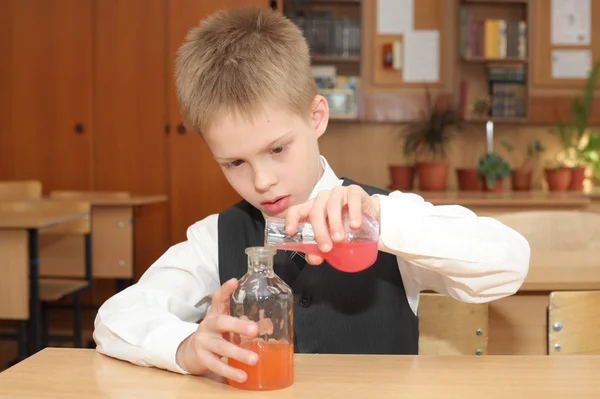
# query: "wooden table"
(20, 223)
(84, 373)
(113, 241)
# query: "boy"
(244, 82)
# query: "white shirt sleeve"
(145, 323)
(450, 250)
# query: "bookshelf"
(493, 71)
(333, 31)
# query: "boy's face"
(272, 162)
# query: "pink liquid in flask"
(355, 253)
(350, 257)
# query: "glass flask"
(265, 298)
(356, 252)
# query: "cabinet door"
(198, 187)
(48, 76)
(130, 113)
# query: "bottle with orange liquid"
(265, 298)
(356, 252)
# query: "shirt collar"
(327, 181)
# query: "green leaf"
(507, 145)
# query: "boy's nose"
(263, 181)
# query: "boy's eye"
(277, 150)
(234, 164)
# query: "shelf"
(335, 59)
(502, 2)
(497, 120)
(483, 60)
(308, 3)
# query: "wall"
(364, 151)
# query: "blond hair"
(239, 61)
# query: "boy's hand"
(202, 351)
(325, 214)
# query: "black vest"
(334, 312)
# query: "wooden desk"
(84, 373)
(113, 240)
(19, 247)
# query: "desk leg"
(21, 340)
(34, 292)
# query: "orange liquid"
(350, 257)
(274, 370)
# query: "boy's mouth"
(276, 205)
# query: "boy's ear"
(320, 114)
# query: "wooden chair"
(565, 247)
(53, 288)
(20, 190)
(451, 327)
(574, 323)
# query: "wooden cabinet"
(47, 123)
(130, 113)
(198, 187)
(87, 96)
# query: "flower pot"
(577, 178)
(496, 189)
(432, 175)
(558, 179)
(521, 179)
(468, 179)
(402, 177)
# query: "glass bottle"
(356, 252)
(265, 298)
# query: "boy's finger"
(336, 202)
(225, 323)
(319, 222)
(220, 299)
(219, 367)
(224, 348)
(295, 215)
(355, 203)
(314, 259)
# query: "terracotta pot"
(432, 175)
(521, 179)
(558, 179)
(577, 178)
(497, 188)
(468, 179)
(402, 177)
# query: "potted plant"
(402, 175)
(580, 149)
(521, 175)
(492, 169)
(426, 140)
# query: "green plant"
(491, 168)
(533, 149)
(578, 148)
(429, 135)
(482, 106)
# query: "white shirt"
(447, 249)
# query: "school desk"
(517, 324)
(84, 373)
(113, 241)
(19, 271)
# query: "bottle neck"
(260, 263)
(275, 233)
